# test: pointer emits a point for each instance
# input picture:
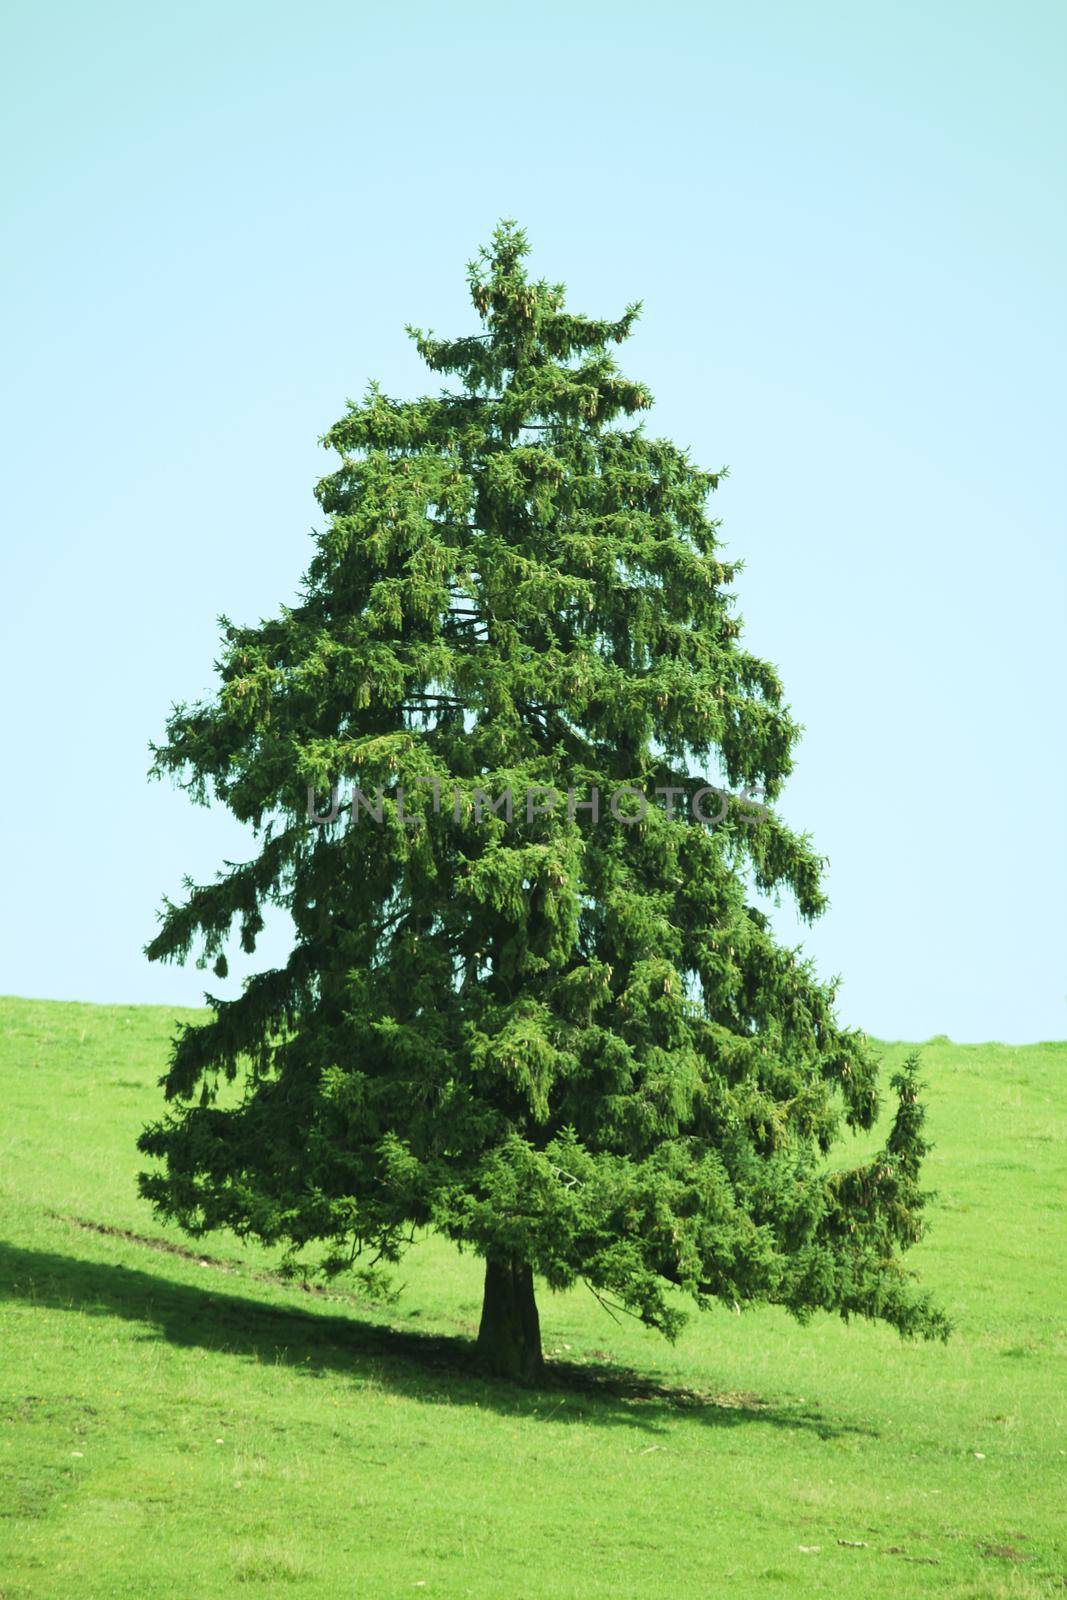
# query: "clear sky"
(847, 225)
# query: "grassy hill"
(181, 1423)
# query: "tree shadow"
(433, 1368)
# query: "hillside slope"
(175, 1422)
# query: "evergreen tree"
(563, 1039)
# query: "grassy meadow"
(180, 1422)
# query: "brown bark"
(509, 1338)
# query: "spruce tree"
(563, 1037)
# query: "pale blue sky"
(847, 226)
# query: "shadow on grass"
(427, 1367)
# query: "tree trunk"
(509, 1339)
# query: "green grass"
(182, 1424)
